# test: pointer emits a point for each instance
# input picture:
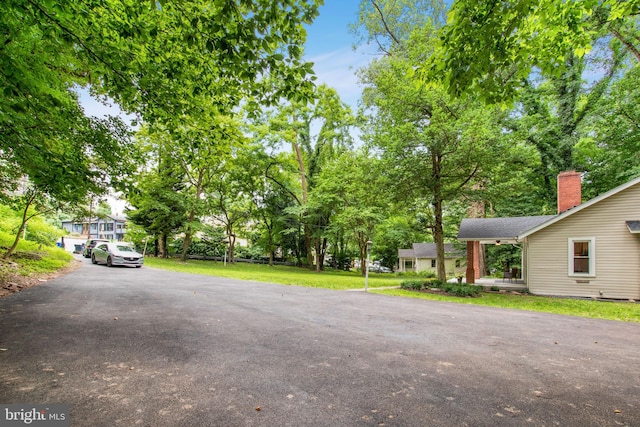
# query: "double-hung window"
(582, 256)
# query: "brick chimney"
(569, 190)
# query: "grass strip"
(285, 275)
(610, 310)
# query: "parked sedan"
(88, 247)
(116, 254)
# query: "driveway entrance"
(152, 348)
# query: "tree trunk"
(321, 245)
(438, 237)
(308, 247)
(185, 246)
(271, 244)
(438, 232)
(15, 241)
(303, 185)
(232, 247)
(31, 196)
(162, 246)
(187, 236)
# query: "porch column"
(471, 261)
(476, 259)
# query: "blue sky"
(330, 46)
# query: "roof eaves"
(578, 208)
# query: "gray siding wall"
(617, 251)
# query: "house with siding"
(109, 227)
(589, 249)
(423, 257)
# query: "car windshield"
(123, 248)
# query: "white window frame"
(592, 256)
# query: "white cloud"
(337, 69)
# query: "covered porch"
(496, 231)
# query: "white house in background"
(423, 257)
(586, 250)
(110, 227)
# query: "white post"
(366, 276)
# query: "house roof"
(578, 208)
(406, 253)
(428, 250)
(490, 230)
(514, 229)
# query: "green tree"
(352, 184)
(317, 132)
(608, 150)
(387, 24)
(164, 60)
(230, 195)
(158, 205)
(434, 147)
(491, 47)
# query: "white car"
(113, 253)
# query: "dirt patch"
(13, 281)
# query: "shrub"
(429, 274)
(434, 283)
(37, 229)
(412, 285)
(461, 290)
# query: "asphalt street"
(145, 347)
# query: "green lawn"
(623, 311)
(277, 274)
(340, 280)
(31, 258)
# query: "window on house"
(433, 263)
(582, 257)
(408, 264)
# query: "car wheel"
(109, 261)
(93, 259)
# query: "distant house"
(586, 250)
(422, 257)
(109, 227)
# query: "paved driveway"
(128, 347)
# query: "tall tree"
(353, 185)
(609, 147)
(552, 113)
(317, 133)
(434, 147)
